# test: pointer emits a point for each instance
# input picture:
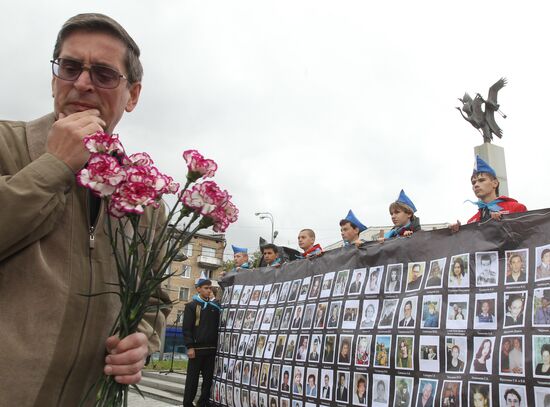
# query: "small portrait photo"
(226, 342)
(267, 320)
(265, 294)
(298, 317)
(237, 290)
(388, 313)
(277, 318)
(404, 387)
(237, 397)
(334, 314)
(407, 315)
(223, 319)
(328, 351)
(263, 400)
(362, 350)
(305, 289)
(229, 391)
(451, 393)
(512, 355)
(237, 371)
(274, 294)
(290, 347)
(315, 349)
(294, 290)
(223, 399)
(285, 290)
(374, 280)
(256, 295)
(255, 377)
(482, 361)
(308, 317)
(459, 275)
(512, 395)
(260, 346)
(486, 311)
(315, 289)
(541, 356)
(287, 317)
(541, 307)
(415, 274)
(429, 353)
(242, 344)
(327, 384)
(514, 311)
(360, 386)
(382, 351)
(270, 346)
(486, 269)
(431, 311)
(284, 402)
(380, 390)
(259, 319)
(457, 311)
(251, 345)
(456, 353)
(234, 343)
(341, 283)
(227, 294)
(404, 358)
(303, 346)
(245, 399)
(542, 396)
(285, 378)
(249, 318)
(273, 401)
(357, 281)
(328, 282)
(312, 387)
(280, 346)
(435, 275)
(516, 265)
(274, 377)
(231, 318)
(394, 276)
(239, 319)
(427, 389)
(344, 349)
(342, 387)
(542, 263)
(245, 296)
(320, 316)
(351, 314)
(264, 375)
(298, 381)
(369, 313)
(296, 403)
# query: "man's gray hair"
(95, 22)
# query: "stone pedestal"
(494, 156)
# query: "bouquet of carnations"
(130, 185)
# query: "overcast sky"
(311, 108)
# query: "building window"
(207, 273)
(208, 251)
(186, 271)
(184, 294)
(188, 250)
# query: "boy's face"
(269, 256)
(305, 241)
(349, 233)
(399, 217)
(483, 185)
(205, 290)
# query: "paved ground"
(135, 400)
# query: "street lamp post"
(268, 215)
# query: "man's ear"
(135, 90)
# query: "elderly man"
(306, 241)
(57, 254)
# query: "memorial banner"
(437, 319)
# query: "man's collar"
(37, 132)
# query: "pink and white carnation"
(102, 175)
(204, 198)
(223, 216)
(198, 166)
(132, 197)
(138, 159)
(104, 143)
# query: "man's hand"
(407, 233)
(455, 227)
(191, 353)
(65, 137)
(496, 215)
(126, 357)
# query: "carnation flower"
(204, 198)
(138, 159)
(105, 143)
(102, 175)
(198, 166)
(132, 197)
